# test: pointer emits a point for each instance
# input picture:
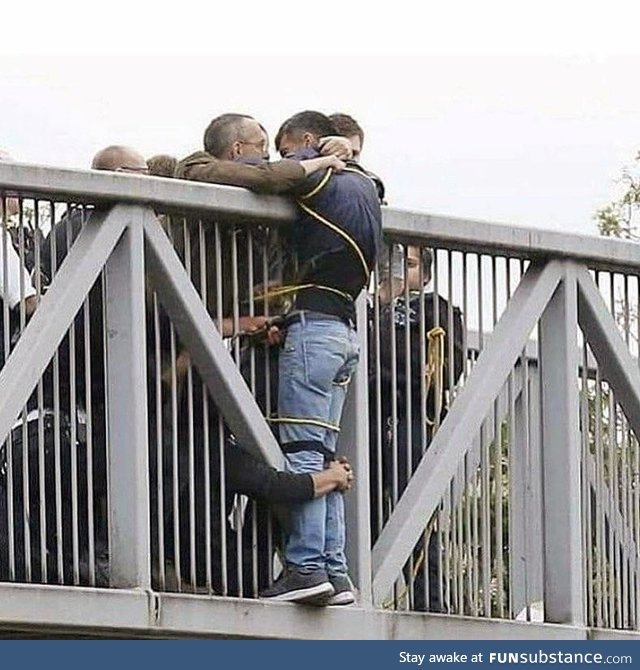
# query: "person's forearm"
(253, 477)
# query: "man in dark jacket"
(336, 238)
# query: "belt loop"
(303, 318)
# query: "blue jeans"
(317, 362)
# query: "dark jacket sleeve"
(251, 476)
(279, 177)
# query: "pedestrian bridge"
(503, 502)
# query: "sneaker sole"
(344, 598)
(302, 595)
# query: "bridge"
(518, 516)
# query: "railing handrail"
(228, 202)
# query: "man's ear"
(235, 150)
(310, 140)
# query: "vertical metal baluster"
(394, 393)
(424, 438)
(221, 437)
(105, 513)
(191, 434)
(623, 587)
(460, 480)
(477, 491)
(598, 497)
(612, 494)
(238, 512)
(7, 349)
(408, 446)
(204, 273)
(441, 526)
(88, 410)
(73, 419)
(252, 383)
(378, 483)
(456, 532)
(40, 397)
(26, 526)
(511, 521)
(270, 402)
(586, 489)
(159, 445)
(89, 442)
(394, 389)
(175, 460)
(498, 468)
(485, 460)
(57, 426)
(470, 471)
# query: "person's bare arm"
(335, 145)
(312, 165)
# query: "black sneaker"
(299, 587)
(342, 590)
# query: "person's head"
(162, 165)
(414, 259)
(400, 270)
(303, 131)
(235, 136)
(12, 205)
(117, 158)
(348, 127)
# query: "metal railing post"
(559, 360)
(354, 444)
(127, 411)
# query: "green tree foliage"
(621, 217)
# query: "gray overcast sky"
(521, 113)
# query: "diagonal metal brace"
(617, 364)
(440, 462)
(58, 308)
(204, 343)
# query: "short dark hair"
(162, 165)
(306, 122)
(347, 126)
(222, 132)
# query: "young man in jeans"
(336, 238)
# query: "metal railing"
(497, 459)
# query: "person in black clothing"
(403, 425)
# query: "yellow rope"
(312, 422)
(336, 229)
(323, 182)
(294, 288)
(434, 372)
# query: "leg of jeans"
(315, 366)
(335, 540)
(306, 541)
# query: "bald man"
(118, 158)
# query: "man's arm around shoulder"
(279, 177)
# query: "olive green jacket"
(278, 177)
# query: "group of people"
(336, 240)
